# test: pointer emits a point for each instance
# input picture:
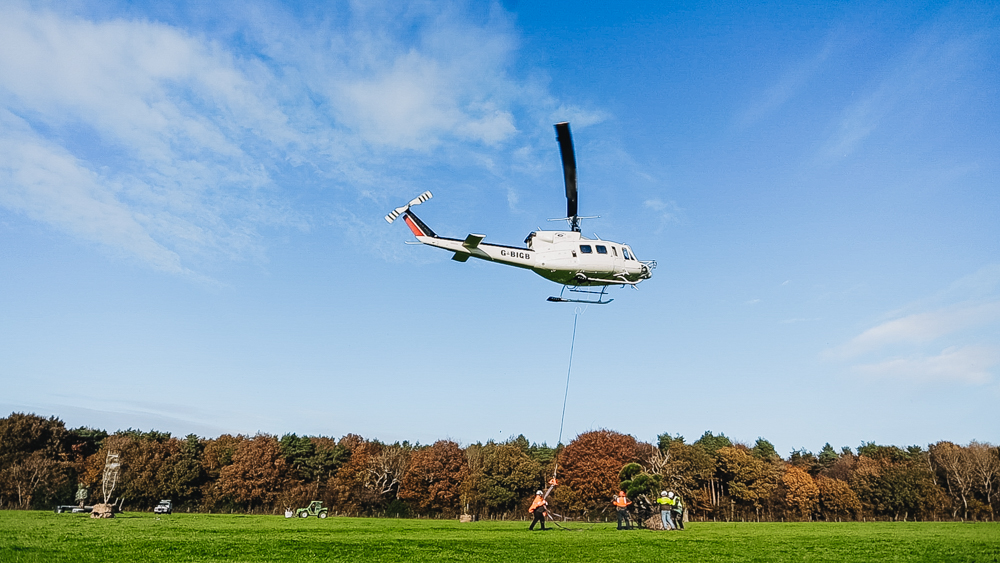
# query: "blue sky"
(191, 232)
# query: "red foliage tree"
(258, 473)
(589, 467)
(434, 478)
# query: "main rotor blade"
(569, 166)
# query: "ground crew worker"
(622, 502)
(666, 503)
(678, 511)
(538, 510)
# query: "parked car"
(165, 507)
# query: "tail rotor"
(400, 210)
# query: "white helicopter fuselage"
(565, 257)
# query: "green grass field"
(48, 537)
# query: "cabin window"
(585, 248)
(601, 249)
(626, 254)
(614, 251)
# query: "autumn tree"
(800, 492)
(896, 483)
(508, 476)
(370, 477)
(216, 455)
(181, 475)
(433, 480)
(836, 499)
(590, 465)
(257, 473)
(748, 480)
(35, 461)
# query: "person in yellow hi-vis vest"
(678, 511)
(666, 502)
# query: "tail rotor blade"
(396, 213)
(400, 210)
(569, 166)
(421, 198)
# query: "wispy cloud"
(131, 135)
(668, 211)
(947, 336)
(789, 85)
(171, 146)
(936, 58)
(921, 328)
(970, 364)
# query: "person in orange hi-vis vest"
(538, 510)
(622, 502)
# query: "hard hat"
(622, 493)
(538, 492)
(671, 494)
(663, 493)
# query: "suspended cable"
(569, 370)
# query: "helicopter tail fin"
(417, 226)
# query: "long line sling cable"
(569, 370)
(562, 419)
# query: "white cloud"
(933, 61)
(950, 342)
(669, 211)
(174, 145)
(129, 134)
(969, 364)
(921, 328)
(411, 104)
(50, 185)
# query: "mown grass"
(47, 537)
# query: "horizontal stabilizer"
(472, 241)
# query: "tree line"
(43, 464)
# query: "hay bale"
(103, 511)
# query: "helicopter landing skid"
(598, 300)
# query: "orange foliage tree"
(801, 495)
(836, 499)
(433, 480)
(257, 474)
(589, 466)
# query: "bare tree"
(954, 461)
(985, 461)
(385, 469)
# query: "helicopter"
(583, 266)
